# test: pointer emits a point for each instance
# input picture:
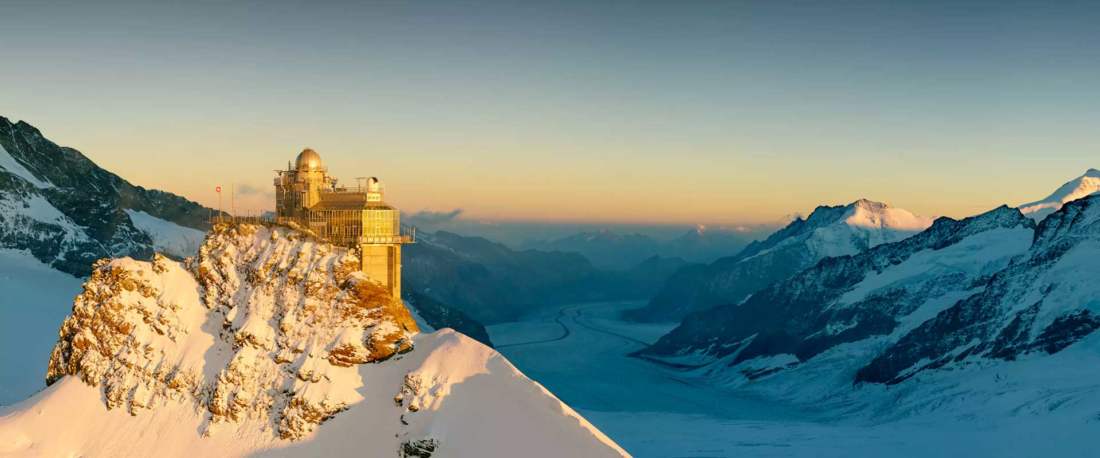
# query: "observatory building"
(358, 218)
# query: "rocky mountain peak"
(265, 323)
(869, 205)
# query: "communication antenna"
(359, 182)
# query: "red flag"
(218, 189)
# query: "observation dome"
(308, 160)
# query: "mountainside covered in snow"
(828, 231)
(850, 298)
(269, 341)
(990, 319)
(67, 212)
(1042, 303)
(1082, 186)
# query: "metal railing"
(407, 234)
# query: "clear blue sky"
(647, 112)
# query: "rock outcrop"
(264, 324)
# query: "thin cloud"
(427, 217)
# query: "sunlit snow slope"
(1082, 186)
(269, 341)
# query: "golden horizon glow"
(494, 187)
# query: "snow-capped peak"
(1082, 186)
(870, 214)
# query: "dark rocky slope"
(68, 212)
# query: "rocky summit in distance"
(65, 210)
(272, 342)
(828, 231)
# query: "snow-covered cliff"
(257, 343)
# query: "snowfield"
(473, 402)
(34, 299)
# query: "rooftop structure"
(357, 218)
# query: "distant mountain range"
(609, 249)
(991, 316)
(828, 231)
(493, 283)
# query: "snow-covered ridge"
(844, 230)
(1082, 186)
(256, 341)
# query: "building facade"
(357, 218)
